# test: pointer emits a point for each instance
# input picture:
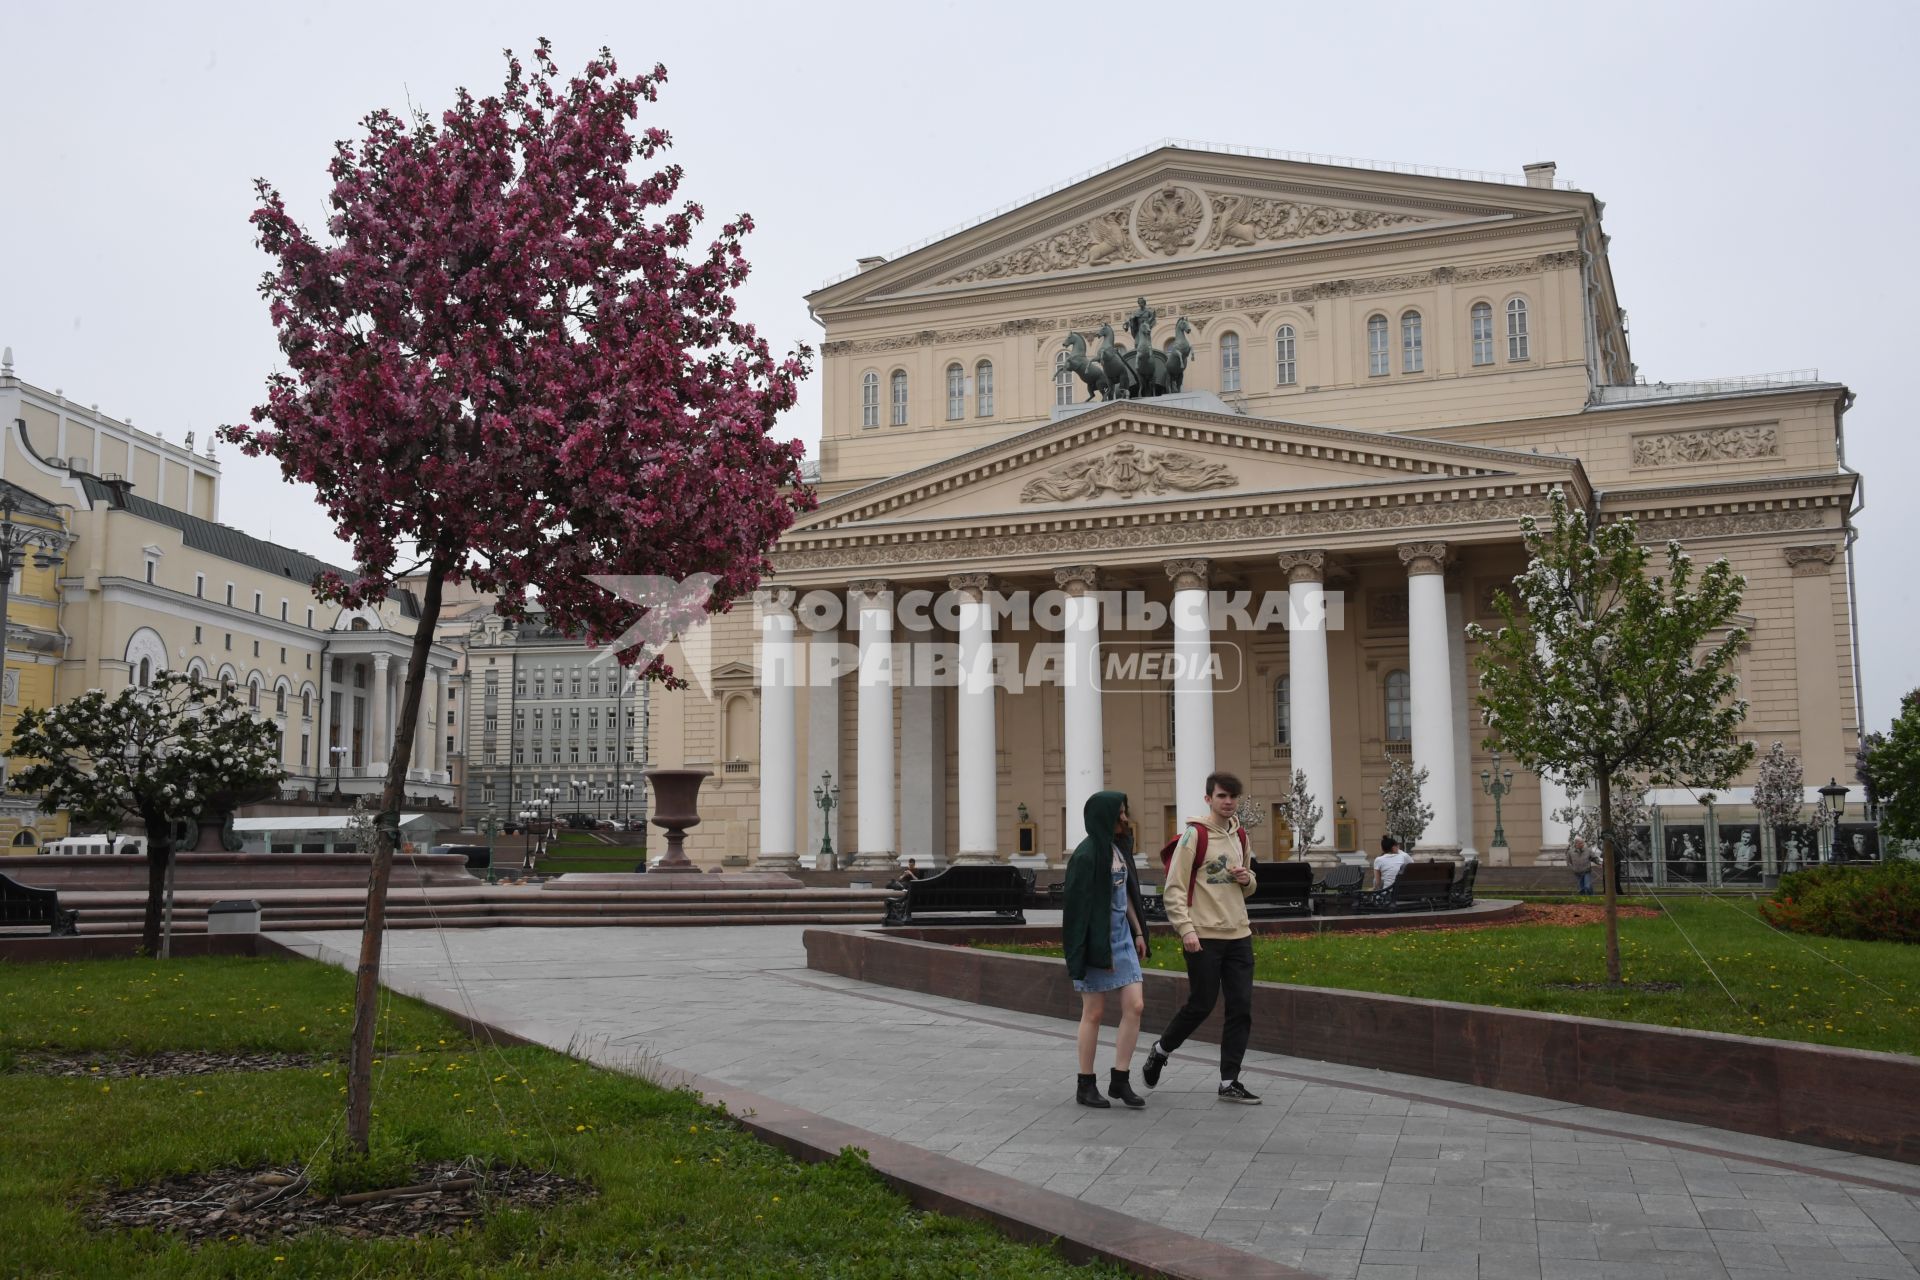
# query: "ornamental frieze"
(1723, 526)
(1099, 241)
(1156, 536)
(1126, 470)
(1719, 444)
(1244, 221)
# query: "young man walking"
(1212, 923)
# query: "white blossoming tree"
(1778, 792)
(1300, 812)
(1406, 814)
(165, 754)
(1603, 667)
(1630, 813)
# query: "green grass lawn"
(1864, 995)
(683, 1192)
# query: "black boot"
(1089, 1095)
(1121, 1089)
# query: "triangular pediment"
(1138, 456)
(1175, 205)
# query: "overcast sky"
(1755, 160)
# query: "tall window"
(870, 400)
(1283, 711)
(1376, 346)
(306, 704)
(1412, 351)
(983, 389)
(956, 393)
(899, 397)
(1482, 316)
(280, 701)
(1516, 328)
(146, 672)
(253, 694)
(1229, 362)
(1063, 392)
(1285, 371)
(1399, 707)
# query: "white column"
(871, 601)
(440, 720)
(778, 742)
(348, 712)
(1192, 684)
(1464, 721)
(379, 747)
(978, 744)
(923, 774)
(1555, 834)
(1310, 696)
(421, 729)
(823, 741)
(1084, 738)
(1430, 672)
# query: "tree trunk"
(366, 983)
(1611, 871)
(159, 861)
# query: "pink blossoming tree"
(504, 367)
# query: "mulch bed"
(168, 1062)
(260, 1206)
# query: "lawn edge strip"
(1820, 1095)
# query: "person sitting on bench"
(1388, 865)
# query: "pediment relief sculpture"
(1174, 219)
(1127, 470)
(1722, 444)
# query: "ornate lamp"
(1498, 783)
(825, 797)
(1833, 804)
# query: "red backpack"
(1199, 853)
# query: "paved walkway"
(1343, 1172)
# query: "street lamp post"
(626, 802)
(1498, 783)
(826, 795)
(337, 753)
(599, 794)
(1833, 804)
(577, 785)
(490, 828)
(527, 816)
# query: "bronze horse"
(1088, 372)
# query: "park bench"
(1420, 886)
(998, 888)
(1462, 893)
(1339, 891)
(1282, 889)
(24, 904)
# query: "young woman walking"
(1103, 926)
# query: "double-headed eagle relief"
(1127, 469)
(1115, 374)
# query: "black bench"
(24, 904)
(1339, 891)
(1462, 893)
(1283, 889)
(995, 887)
(1420, 886)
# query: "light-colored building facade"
(155, 583)
(550, 721)
(1384, 372)
(36, 531)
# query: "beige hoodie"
(1219, 906)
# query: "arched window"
(253, 694)
(983, 389)
(1516, 328)
(870, 400)
(146, 672)
(1285, 371)
(226, 685)
(1399, 707)
(306, 705)
(956, 393)
(899, 389)
(1482, 325)
(280, 700)
(1412, 352)
(1283, 711)
(1376, 346)
(1229, 362)
(1063, 392)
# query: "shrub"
(1871, 904)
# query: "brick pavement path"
(1343, 1172)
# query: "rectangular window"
(229, 595)
(283, 655)
(593, 755)
(493, 722)
(229, 639)
(309, 662)
(304, 744)
(150, 568)
(258, 599)
(490, 761)
(519, 755)
(256, 648)
(573, 755)
(309, 617)
(196, 635)
(283, 610)
(450, 750)
(200, 585)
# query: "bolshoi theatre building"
(1360, 380)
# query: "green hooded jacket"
(1086, 905)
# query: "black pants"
(1219, 963)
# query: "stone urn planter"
(676, 807)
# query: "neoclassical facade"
(1383, 372)
(152, 582)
